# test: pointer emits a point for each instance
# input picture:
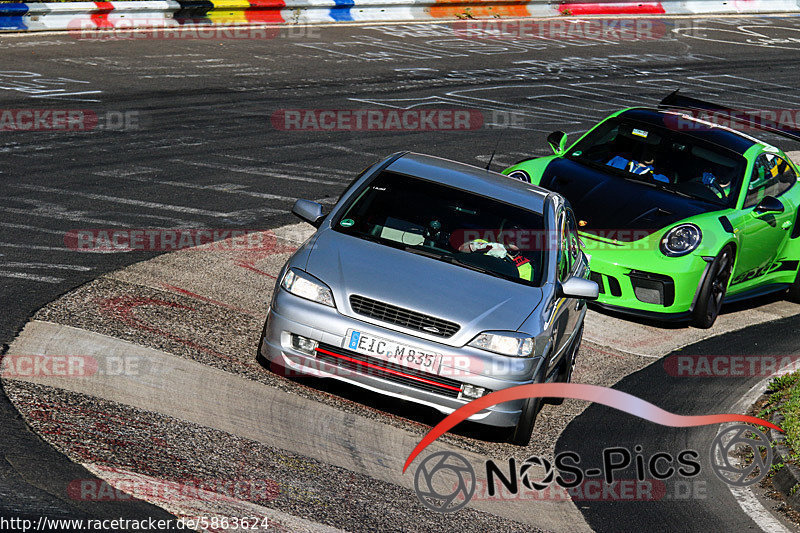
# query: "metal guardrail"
(177, 13)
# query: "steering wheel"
(698, 189)
(720, 190)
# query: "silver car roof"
(472, 179)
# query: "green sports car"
(678, 214)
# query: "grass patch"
(784, 398)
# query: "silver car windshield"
(450, 225)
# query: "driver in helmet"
(640, 168)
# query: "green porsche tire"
(712, 291)
(794, 289)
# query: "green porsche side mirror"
(769, 204)
(557, 141)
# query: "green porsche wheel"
(712, 291)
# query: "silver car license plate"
(393, 352)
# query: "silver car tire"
(521, 434)
(568, 366)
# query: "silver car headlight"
(306, 286)
(504, 343)
(681, 240)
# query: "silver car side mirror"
(309, 211)
(576, 287)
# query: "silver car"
(435, 282)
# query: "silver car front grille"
(402, 317)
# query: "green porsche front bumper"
(632, 278)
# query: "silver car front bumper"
(292, 315)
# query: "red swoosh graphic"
(591, 393)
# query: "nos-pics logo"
(445, 481)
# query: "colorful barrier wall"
(177, 13)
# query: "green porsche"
(678, 214)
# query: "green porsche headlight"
(520, 175)
(681, 240)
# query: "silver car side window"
(564, 263)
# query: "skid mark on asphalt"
(35, 85)
(567, 103)
(123, 308)
(36, 267)
(55, 266)
(128, 201)
(57, 212)
(178, 290)
(249, 259)
(780, 33)
(227, 188)
(243, 279)
(29, 277)
(256, 171)
(35, 247)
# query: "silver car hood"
(477, 302)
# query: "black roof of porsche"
(717, 135)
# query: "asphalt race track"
(713, 504)
(186, 137)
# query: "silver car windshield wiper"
(469, 265)
(426, 253)
(454, 260)
(450, 259)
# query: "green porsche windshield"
(668, 159)
(450, 225)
